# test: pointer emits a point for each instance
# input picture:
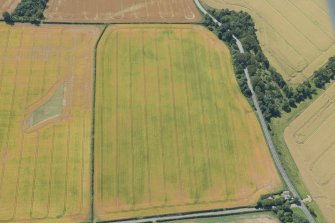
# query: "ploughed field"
(8, 5)
(45, 122)
(311, 140)
(122, 11)
(296, 35)
(172, 130)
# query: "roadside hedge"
(274, 94)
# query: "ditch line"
(91, 217)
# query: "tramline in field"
(310, 138)
(122, 11)
(45, 124)
(173, 132)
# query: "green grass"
(170, 120)
(242, 218)
(278, 126)
(53, 107)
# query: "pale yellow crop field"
(311, 140)
(295, 35)
(45, 165)
(173, 132)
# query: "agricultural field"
(295, 35)
(173, 132)
(8, 5)
(241, 218)
(45, 122)
(311, 141)
(122, 11)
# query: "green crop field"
(173, 132)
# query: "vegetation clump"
(282, 208)
(7, 18)
(326, 74)
(274, 94)
(30, 10)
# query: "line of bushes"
(274, 94)
(27, 10)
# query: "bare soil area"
(122, 11)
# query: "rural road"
(192, 215)
(264, 125)
(275, 156)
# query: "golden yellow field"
(45, 122)
(173, 131)
(311, 140)
(296, 35)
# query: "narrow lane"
(192, 215)
(263, 124)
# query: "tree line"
(282, 208)
(274, 94)
(27, 10)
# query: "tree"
(286, 107)
(291, 101)
(7, 17)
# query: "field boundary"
(93, 124)
(99, 23)
(180, 215)
(94, 96)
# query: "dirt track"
(122, 11)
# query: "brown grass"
(44, 173)
(311, 140)
(296, 35)
(122, 11)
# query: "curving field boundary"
(310, 139)
(297, 41)
(159, 121)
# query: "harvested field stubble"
(122, 11)
(311, 140)
(296, 35)
(8, 5)
(173, 131)
(44, 170)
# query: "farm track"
(264, 126)
(176, 128)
